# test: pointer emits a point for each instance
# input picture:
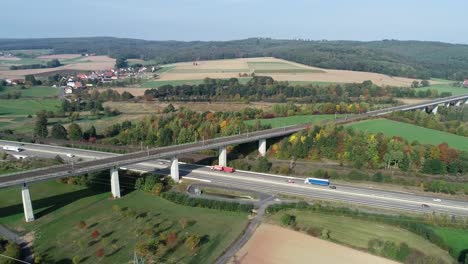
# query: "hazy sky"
(440, 20)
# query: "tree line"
(50, 64)
(262, 88)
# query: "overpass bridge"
(113, 163)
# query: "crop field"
(158, 83)
(71, 63)
(357, 232)
(26, 106)
(33, 92)
(411, 133)
(279, 69)
(293, 120)
(59, 208)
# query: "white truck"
(12, 148)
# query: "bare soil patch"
(273, 244)
(9, 58)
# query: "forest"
(418, 59)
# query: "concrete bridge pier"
(27, 205)
(434, 111)
(458, 103)
(115, 185)
(262, 147)
(222, 160)
(175, 169)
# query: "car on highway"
(290, 181)
(437, 200)
(70, 155)
(332, 187)
(425, 206)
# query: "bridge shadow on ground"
(50, 204)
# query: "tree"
(415, 84)
(58, 131)
(90, 133)
(121, 62)
(53, 63)
(288, 220)
(74, 131)
(29, 79)
(425, 83)
(169, 109)
(40, 127)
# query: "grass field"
(34, 92)
(293, 120)
(59, 208)
(357, 233)
(447, 88)
(26, 106)
(412, 132)
(457, 239)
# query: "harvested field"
(9, 58)
(59, 56)
(83, 64)
(279, 69)
(273, 244)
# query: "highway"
(165, 152)
(272, 184)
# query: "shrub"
(82, 224)
(100, 252)
(183, 222)
(183, 199)
(95, 234)
(171, 240)
(288, 220)
(325, 234)
(314, 231)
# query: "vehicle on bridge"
(12, 148)
(316, 181)
(221, 168)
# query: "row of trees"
(367, 150)
(58, 131)
(50, 64)
(262, 88)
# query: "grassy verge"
(457, 239)
(357, 233)
(122, 224)
(231, 194)
(411, 132)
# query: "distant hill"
(416, 59)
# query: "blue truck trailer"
(315, 181)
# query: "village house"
(465, 83)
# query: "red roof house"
(465, 83)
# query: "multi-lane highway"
(273, 184)
(171, 151)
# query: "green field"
(357, 233)
(27, 106)
(412, 132)
(34, 92)
(293, 120)
(455, 238)
(154, 84)
(446, 88)
(278, 67)
(59, 208)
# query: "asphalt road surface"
(271, 184)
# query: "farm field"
(276, 245)
(158, 83)
(357, 232)
(411, 132)
(279, 69)
(71, 63)
(27, 106)
(33, 92)
(59, 208)
(457, 239)
(293, 120)
(447, 87)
